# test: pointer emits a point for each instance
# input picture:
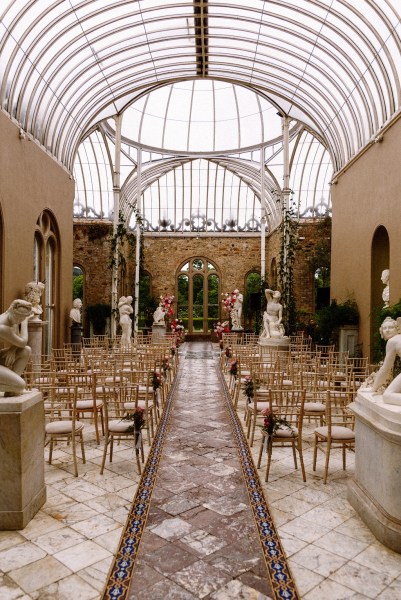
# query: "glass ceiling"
(200, 84)
(333, 65)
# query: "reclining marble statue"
(272, 317)
(389, 331)
(15, 356)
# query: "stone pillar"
(158, 331)
(35, 334)
(22, 465)
(375, 490)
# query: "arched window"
(198, 293)
(45, 269)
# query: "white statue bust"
(33, 293)
(15, 356)
(75, 312)
(158, 316)
(389, 331)
(385, 277)
(125, 310)
(272, 317)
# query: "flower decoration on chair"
(271, 423)
(138, 419)
(248, 387)
(156, 379)
(234, 369)
(165, 365)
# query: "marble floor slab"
(352, 563)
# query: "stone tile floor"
(67, 549)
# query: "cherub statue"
(14, 358)
(158, 316)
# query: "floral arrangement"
(228, 352)
(156, 380)
(271, 423)
(165, 365)
(178, 328)
(234, 369)
(138, 419)
(221, 328)
(248, 387)
(229, 300)
(166, 302)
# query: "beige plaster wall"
(30, 182)
(366, 196)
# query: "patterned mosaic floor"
(200, 493)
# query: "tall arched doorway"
(380, 260)
(198, 293)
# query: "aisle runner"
(200, 537)
(119, 578)
(282, 582)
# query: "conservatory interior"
(200, 389)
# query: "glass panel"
(183, 298)
(213, 301)
(77, 283)
(197, 303)
(198, 264)
(49, 298)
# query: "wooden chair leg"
(106, 443)
(326, 464)
(269, 458)
(261, 452)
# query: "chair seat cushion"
(314, 407)
(62, 427)
(285, 432)
(141, 404)
(337, 432)
(88, 404)
(261, 406)
(119, 426)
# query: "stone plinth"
(158, 331)
(268, 344)
(375, 490)
(35, 334)
(22, 472)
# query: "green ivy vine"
(289, 242)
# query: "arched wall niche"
(380, 260)
(1, 261)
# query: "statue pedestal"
(22, 465)
(35, 335)
(375, 490)
(158, 331)
(76, 339)
(266, 345)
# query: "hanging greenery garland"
(289, 241)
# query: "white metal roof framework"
(332, 65)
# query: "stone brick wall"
(233, 255)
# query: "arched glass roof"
(215, 194)
(333, 65)
(200, 115)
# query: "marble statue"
(390, 331)
(125, 310)
(385, 277)
(272, 317)
(236, 312)
(33, 293)
(15, 356)
(75, 312)
(158, 316)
